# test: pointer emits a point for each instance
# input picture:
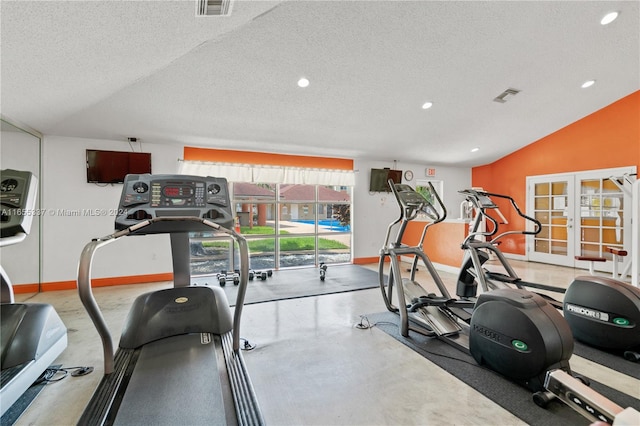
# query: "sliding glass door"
(286, 225)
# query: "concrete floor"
(312, 366)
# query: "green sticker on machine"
(621, 321)
(519, 345)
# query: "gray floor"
(312, 366)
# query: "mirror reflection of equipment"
(32, 335)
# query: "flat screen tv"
(113, 166)
(378, 181)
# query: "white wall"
(65, 188)
(374, 211)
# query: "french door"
(581, 215)
(552, 201)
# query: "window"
(286, 225)
(422, 186)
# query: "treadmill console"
(18, 197)
(151, 196)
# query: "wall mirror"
(20, 150)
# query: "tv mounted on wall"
(378, 181)
(113, 166)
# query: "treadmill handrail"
(91, 306)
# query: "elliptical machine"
(512, 331)
(602, 312)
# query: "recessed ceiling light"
(303, 82)
(609, 18)
(427, 105)
(475, 149)
(588, 83)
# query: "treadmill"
(32, 335)
(178, 360)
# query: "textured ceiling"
(151, 69)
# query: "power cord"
(361, 325)
(365, 324)
(55, 374)
(456, 359)
(247, 346)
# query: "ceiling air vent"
(213, 7)
(502, 97)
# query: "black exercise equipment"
(261, 275)
(601, 312)
(323, 271)
(604, 313)
(513, 331)
(477, 251)
(32, 335)
(179, 359)
(225, 276)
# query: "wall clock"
(408, 175)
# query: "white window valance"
(268, 174)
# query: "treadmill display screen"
(148, 196)
(177, 191)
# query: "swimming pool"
(332, 224)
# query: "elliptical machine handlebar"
(411, 203)
(440, 217)
(482, 201)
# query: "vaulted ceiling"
(155, 71)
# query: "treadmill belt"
(176, 381)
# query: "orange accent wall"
(250, 157)
(442, 242)
(607, 138)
